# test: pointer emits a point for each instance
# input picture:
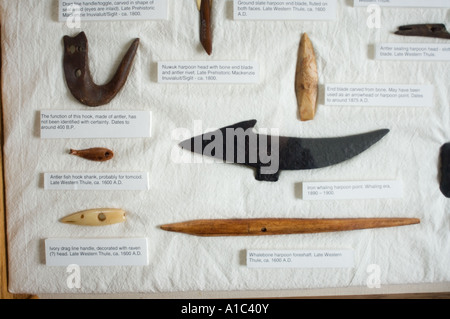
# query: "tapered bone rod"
(280, 226)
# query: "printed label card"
(284, 10)
(404, 3)
(75, 11)
(95, 124)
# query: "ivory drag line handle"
(96, 217)
(280, 226)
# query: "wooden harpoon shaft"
(280, 226)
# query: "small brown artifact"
(205, 24)
(98, 154)
(78, 75)
(424, 30)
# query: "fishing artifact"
(280, 226)
(269, 154)
(78, 75)
(444, 170)
(96, 217)
(99, 154)
(204, 6)
(424, 30)
(306, 80)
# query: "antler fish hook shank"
(78, 75)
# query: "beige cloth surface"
(33, 80)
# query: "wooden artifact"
(280, 226)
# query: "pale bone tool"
(306, 80)
(96, 217)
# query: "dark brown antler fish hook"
(204, 6)
(78, 75)
(424, 30)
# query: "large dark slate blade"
(238, 143)
(309, 153)
(214, 144)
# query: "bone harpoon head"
(96, 217)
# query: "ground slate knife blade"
(323, 152)
(238, 143)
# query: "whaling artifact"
(306, 80)
(444, 170)
(99, 154)
(435, 30)
(280, 226)
(78, 75)
(204, 6)
(96, 217)
(269, 154)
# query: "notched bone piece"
(78, 76)
(431, 30)
(96, 217)
(306, 80)
(99, 154)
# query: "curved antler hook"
(78, 75)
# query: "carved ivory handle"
(96, 217)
